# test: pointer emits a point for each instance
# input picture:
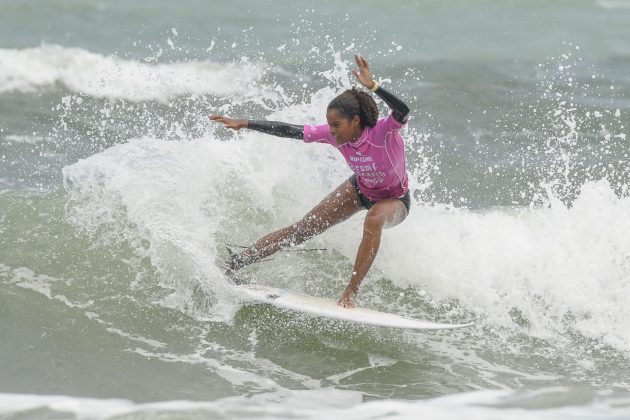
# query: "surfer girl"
(374, 150)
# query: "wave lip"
(85, 72)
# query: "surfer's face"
(343, 129)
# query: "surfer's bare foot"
(228, 269)
(230, 272)
(347, 299)
(233, 263)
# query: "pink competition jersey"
(377, 157)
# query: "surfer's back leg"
(338, 206)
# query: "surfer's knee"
(385, 214)
(373, 223)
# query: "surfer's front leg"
(384, 213)
(372, 229)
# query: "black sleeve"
(399, 108)
(277, 128)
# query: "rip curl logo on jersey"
(361, 159)
(365, 167)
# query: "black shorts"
(367, 203)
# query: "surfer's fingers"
(363, 62)
(227, 122)
(233, 124)
(218, 118)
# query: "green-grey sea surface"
(117, 197)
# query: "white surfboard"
(328, 308)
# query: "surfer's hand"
(234, 124)
(362, 73)
(347, 299)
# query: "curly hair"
(356, 102)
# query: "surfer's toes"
(229, 271)
(235, 262)
(229, 268)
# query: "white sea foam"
(97, 75)
(16, 138)
(562, 269)
(181, 196)
(41, 283)
(329, 403)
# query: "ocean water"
(117, 196)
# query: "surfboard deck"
(328, 308)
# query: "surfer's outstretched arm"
(275, 128)
(400, 110)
